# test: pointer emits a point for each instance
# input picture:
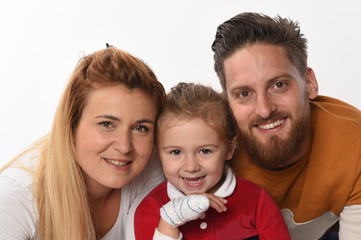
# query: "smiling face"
(269, 99)
(115, 135)
(192, 154)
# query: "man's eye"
(279, 85)
(175, 152)
(106, 124)
(142, 128)
(243, 94)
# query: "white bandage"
(184, 209)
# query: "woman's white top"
(18, 212)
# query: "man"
(304, 149)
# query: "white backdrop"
(41, 42)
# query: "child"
(195, 138)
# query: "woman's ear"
(231, 149)
(311, 84)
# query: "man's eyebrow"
(237, 87)
(286, 75)
(269, 81)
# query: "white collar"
(224, 191)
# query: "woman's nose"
(123, 142)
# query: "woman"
(85, 179)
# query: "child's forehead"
(172, 120)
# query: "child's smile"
(192, 154)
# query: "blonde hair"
(59, 186)
(191, 100)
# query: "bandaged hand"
(184, 209)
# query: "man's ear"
(231, 149)
(311, 84)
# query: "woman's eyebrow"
(111, 117)
(145, 121)
(114, 118)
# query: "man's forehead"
(256, 63)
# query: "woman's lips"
(118, 163)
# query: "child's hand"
(184, 209)
(216, 202)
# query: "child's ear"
(231, 148)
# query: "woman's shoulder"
(16, 188)
(16, 181)
(17, 196)
(21, 171)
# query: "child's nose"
(191, 164)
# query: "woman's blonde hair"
(59, 186)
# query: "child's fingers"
(218, 203)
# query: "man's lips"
(271, 125)
(117, 162)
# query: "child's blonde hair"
(190, 100)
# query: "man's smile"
(271, 125)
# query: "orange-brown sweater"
(313, 192)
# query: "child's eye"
(141, 128)
(175, 152)
(205, 151)
(106, 124)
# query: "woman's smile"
(115, 135)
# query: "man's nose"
(264, 106)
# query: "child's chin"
(187, 192)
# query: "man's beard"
(277, 152)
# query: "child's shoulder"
(156, 198)
(246, 185)
(159, 192)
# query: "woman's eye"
(141, 128)
(205, 151)
(175, 152)
(106, 124)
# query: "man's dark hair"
(247, 29)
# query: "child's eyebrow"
(170, 146)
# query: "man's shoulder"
(335, 108)
(334, 119)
